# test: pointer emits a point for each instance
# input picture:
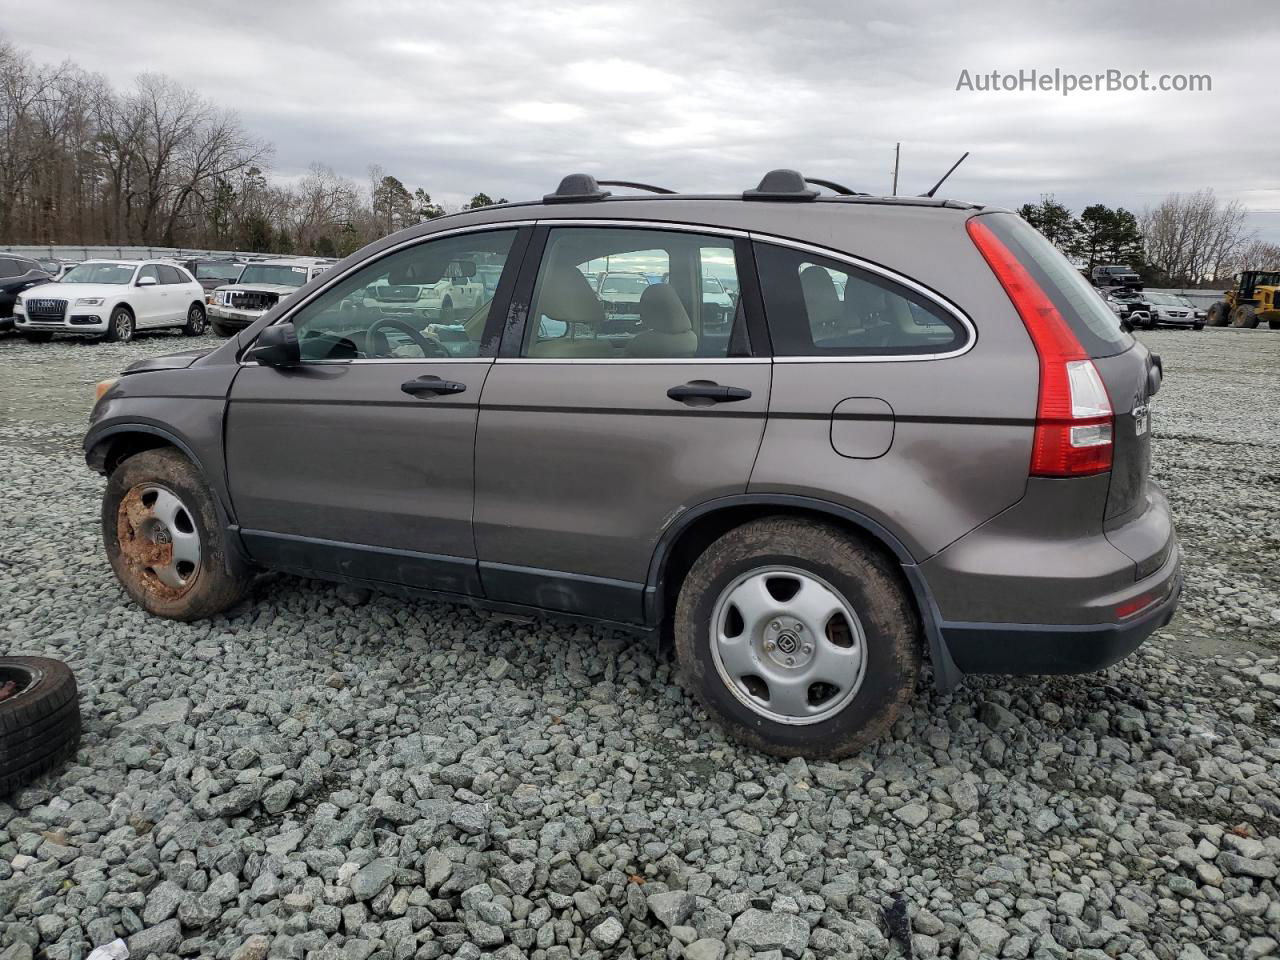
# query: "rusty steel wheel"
(165, 538)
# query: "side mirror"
(146, 281)
(276, 346)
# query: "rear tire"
(145, 541)
(195, 324)
(37, 337)
(833, 711)
(40, 724)
(1218, 315)
(120, 327)
(1245, 316)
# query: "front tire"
(1218, 315)
(799, 639)
(1245, 316)
(219, 330)
(164, 540)
(195, 324)
(120, 327)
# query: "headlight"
(103, 387)
(18, 301)
(89, 302)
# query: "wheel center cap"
(787, 644)
(160, 533)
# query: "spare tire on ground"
(39, 718)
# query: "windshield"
(218, 271)
(274, 273)
(1118, 270)
(624, 285)
(100, 273)
(711, 285)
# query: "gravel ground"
(326, 774)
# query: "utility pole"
(897, 149)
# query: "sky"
(507, 97)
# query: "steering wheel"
(374, 336)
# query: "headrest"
(567, 296)
(820, 296)
(662, 311)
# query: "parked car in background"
(1171, 310)
(258, 288)
(716, 301)
(1112, 275)
(952, 459)
(16, 275)
(56, 268)
(213, 272)
(1129, 306)
(113, 298)
(455, 295)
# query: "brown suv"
(922, 433)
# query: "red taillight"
(1074, 421)
(1137, 604)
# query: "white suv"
(114, 298)
(260, 286)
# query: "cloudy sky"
(506, 97)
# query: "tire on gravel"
(196, 321)
(121, 326)
(39, 725)
(220, 330)
(1219, 316)
(872, 587)
(222, 577)
(1245, 316)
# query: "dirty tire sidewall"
(222, 578)
(873, 589)
(221, 331)
(40, 725)
(120, 326)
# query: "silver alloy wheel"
(195, 317)
(168, 542)
(124, 326)
(788, 645)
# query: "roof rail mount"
(781, 185)
(575, 188)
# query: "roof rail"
(634, 186)
(834, 187)
(576, 187)
(781, 185)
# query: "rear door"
(358, 462)
(595, 433)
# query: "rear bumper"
(1028, 648)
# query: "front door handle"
(431, 386)
(707, 391)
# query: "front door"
(358, 463)
(604, 419)
(148, 298)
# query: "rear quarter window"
(817, 306)
(1090, 319)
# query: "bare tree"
(1193, 238)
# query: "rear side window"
(1090, 319)
(820, 307)
(170, 274)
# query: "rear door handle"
(431, 386)
(708, 391)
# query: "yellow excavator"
(1256, 297)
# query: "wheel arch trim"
(946, 674)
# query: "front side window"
(628, 293)
(150, 271)
(100, 273)
(424, 302)
(821, 307)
